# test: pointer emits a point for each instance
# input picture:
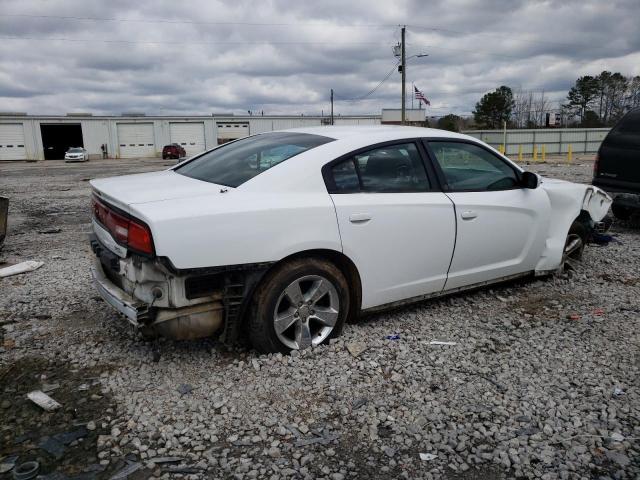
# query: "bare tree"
(633, 93)
(540, 106)
(522, 108)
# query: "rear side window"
(345, 177)
(393, 168)
(239, 161)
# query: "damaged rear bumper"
(152, 299)
(136, 312)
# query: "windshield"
(237, 162)
(75, 150)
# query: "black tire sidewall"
(579, 229)
(261, 329)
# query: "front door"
(398, 230)
(501, 226)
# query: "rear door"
(394, 224)
(618, 165)
(501, 227)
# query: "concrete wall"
(554, 140)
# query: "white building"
(43, 137)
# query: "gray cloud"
(159, 65)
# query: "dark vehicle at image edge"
(173, 150)
(617, 166)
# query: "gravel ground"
(542, 383)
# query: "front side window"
(234, 164)
(468, 167)
(394, 168)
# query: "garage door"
(12, 142)
(189, 135)
(228, 131)
(136, 140)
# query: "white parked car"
(286, 235)
(76, 154)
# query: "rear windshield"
(630, 123)
(239, 161)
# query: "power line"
(258, 42)
(475, 52)
(497, 34)
(199, 22)
(274, 24)
(159, 42)
(372, 91)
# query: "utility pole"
(332, 106)
(404, 75)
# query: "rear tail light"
(127, 231)
(595, 165)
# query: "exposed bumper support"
(135, 311)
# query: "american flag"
(420, 96)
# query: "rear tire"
(301, 303)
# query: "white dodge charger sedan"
(286, 235)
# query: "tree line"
(593, 101)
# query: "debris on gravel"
(543, 380)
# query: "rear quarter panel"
(240, 227)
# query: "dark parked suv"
(173, 150)
(617, 166)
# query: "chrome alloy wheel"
(306, 312)
(573, 246)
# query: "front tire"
(576, 240)
(301, 303)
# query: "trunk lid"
(150, 187)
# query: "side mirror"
(529, 180)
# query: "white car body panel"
(228, 229)
(151, 187)
(403, 252)
(500, 233)
(398, 252)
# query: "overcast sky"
(283, 56)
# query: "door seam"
(455, 239)
(335, 211)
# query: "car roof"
(302, 173)
(376, 133)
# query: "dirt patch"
(64, 440)
(542, 305)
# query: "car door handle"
(359, 217)
(468, 215)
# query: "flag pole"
(412, 94)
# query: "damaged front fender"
(568, 200)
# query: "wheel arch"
(340, 260)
